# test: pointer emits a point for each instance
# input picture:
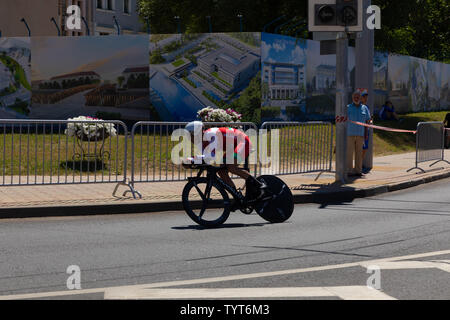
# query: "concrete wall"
(37, 13)
(129, 22)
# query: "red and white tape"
(383, 128)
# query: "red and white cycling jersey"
(241, 142)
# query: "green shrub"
(270, 112)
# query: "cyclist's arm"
(243, 147)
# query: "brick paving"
(387, 171)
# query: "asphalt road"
(321, 246)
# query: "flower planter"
(90, 134)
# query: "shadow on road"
(330, 194)
(224, 226)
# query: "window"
(126, 6)
(99, 4)
(110, 5)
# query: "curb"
(147, 207)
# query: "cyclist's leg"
(234, 169)
(223, 174)
(255, 189)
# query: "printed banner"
(189, 72)
(15, 88)
(283, 78)
(104, 77)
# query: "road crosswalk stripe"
(343, 292)
(392, 265)
(223, 278)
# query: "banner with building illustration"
(321, 81)
(399, 82)
(15, 78)
(445, 86)
(434, 70)
(283, 78)
(191, 71)
(105, 77)
(380, 79)
(418, 96)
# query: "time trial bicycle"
(206, 200)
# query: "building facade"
(134, 77)
(325, 77)
(228, 68)
(37, 15)
(66, 81)
(284, 81)
(125, 12)
(98, 17)
(380, 79)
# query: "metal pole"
(56, 25)
(240, 22)
(282, 25)
(86, 25)
(178, 23)
(26, 25)
(294, 27)
(341, 105)
(117, 25)
(273, 21)
(147, 20)
(364, 73)
(209, 23)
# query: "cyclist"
(242, 146)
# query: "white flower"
(89, 128)
(209, 114)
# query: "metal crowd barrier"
(43, 152)
(304, 147)
(151, 147)
(430, 143)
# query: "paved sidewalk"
(388, 174)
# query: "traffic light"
(347, 12)
(325, 15)
(335, 15)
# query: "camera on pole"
(335, 15)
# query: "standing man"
(356, 112)
(364, 98)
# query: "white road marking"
(346, 293)
(220, 279)
(395, 265)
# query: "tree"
(410, 27)
(131, 81)
(249, 103)
(120, 80)
(417, 28)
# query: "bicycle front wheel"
(206, 202)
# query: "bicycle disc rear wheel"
(280, 208)
(208, 208)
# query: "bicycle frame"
(211, 175)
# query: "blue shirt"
(359, 114)
(384, 110)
